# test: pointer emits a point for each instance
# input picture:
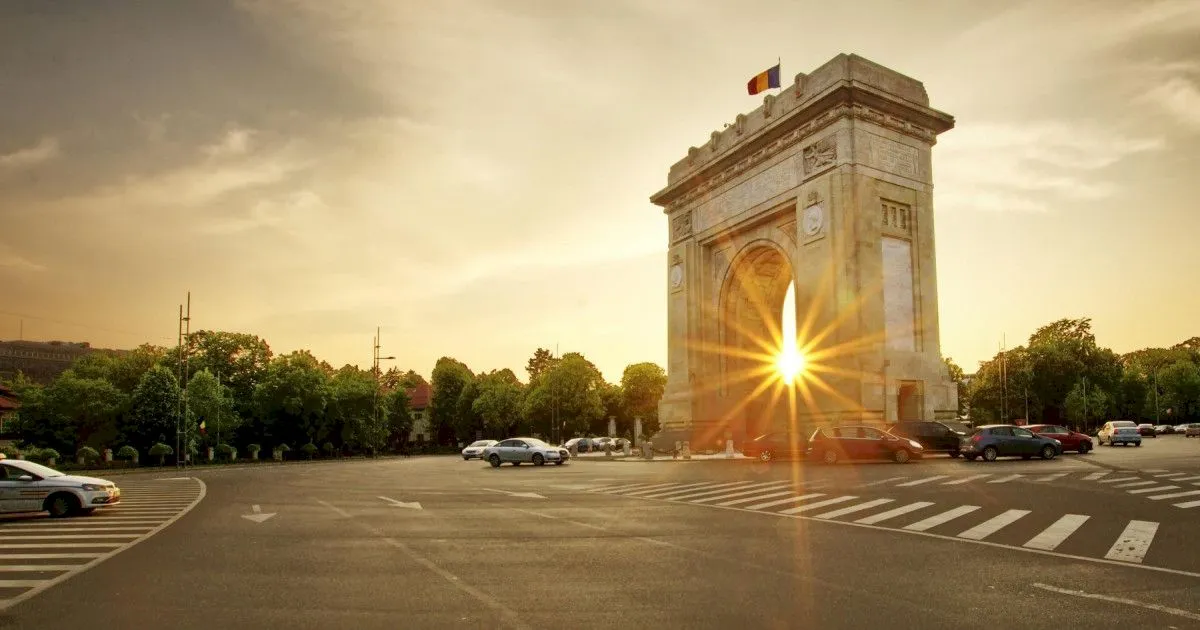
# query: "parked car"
(1006, 440)
(831, 444)
(517, 451)
(1147, 430)
(777, 445)
(1070, 440)
(1193, 430)
(29, 487)
(1181, 428)
(933, 436)
(474, 450)
(1119, 432)
(1164, 429)
(580, 444)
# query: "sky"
(473, 176)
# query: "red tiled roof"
(418, 397)
(8, 404)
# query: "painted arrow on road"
(527, 495)
(258, 515)
(415, 505)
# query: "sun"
(790, 364)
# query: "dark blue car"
(1006, 440)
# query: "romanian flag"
(201, 426)
(764, 81)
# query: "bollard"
(675, 453)
(608, 450)
(728, 449)
(687, 451)
(108, 456)
(647, 449)
(627, 448)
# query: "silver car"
(517, 451)
(475, 449)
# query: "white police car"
(29, 487)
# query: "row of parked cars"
(906, 441)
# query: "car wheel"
(538, 460)
(558, 463)
(765, 456)
(969, 458)
(955, 454)
(466, 459)
(61, 504)
(990, 453)
(1137, 443)
(829, 457)
(901, 456)
(1048, 452)
(494, 460)
(1084, 447)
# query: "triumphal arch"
(826, 187)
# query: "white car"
(517, 451)
(29, 487)
(475, 449)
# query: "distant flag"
(764, 80)
(201, 426)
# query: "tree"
(537, 365)
(467, 422)
(290, 399)
(1085, 402)
(154, 408)
(612, 397)
(1180, 386)
(126, 371)
(499, 402)
(399, 417)
(241, 359)
(642, 386)
(570, 392)
(1130, 397)
(211, 402)
(956, 374)
(161, 451)
(449, 378)
(395, 379)
(354, 406)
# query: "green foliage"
(541, 361)
(87, 454)
(212, 402)
(159, 449)
(253, 448)
(1086, 404)
(309, 449)
(450, 377)
(155, 407)
(498, 404)
(226, 452)
(399, 417)
(328, 448)
(1180, 389)
(357, 410)
(570, 391)
(956, 374)
(467, 421)
(127, 452)
(241, 359)
(642, 386)
(45, 455)
(291, 399)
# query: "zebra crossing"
(37, 552)
(966, 522)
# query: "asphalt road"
(1097, 541)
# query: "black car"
(777, 445)
(831, 444)
(934, 436)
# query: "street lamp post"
(375, 395)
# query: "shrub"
(309, 449)
(48, 455)
(161, 451)
(328, 448)
(226, 451)
(253, 448)
(87, 454)
(127, 452)
(33, 454)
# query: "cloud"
(12, 261)
(45, 150)
(1179, 97)
(234, 142)
(1029, 167)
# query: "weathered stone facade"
(827, 185)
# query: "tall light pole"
(1156, 368)
(375, 371)
(181, 409)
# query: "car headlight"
(91, 487)
(1056, 441)
(914, 444)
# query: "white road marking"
(69, 536)
(882, 481)
(19, 583)
(1112, 599)
(1154, 489)
(699, 492)
(1155, 470)
(1188, 504)
(819, 504)
(628, 486)
(793, 499)
(24, 568)
(758, 497)
(1134, 542)
(890, 514)
(741, 493)
(1119, 479)
(1187, 478)
(1135, 484)
(35, 530)
(1171, 475)
(48, 556)
(944, 517)
(58, 546)
(1053, 536)
(993, 525)
(1174, 495)
(853, 508)
(1096, 475)
(414, 505)
(1006, 479)
(664, 486)
(966, 479)
(523, 495)
(1052, 477)
(918, 482)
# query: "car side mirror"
(525, 445)
(25, 478)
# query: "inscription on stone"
(773, 181)
(681, 226)
(893, 157)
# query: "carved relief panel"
(820, 155)
(896, 219)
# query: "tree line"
(1062, 376)
(240, 397)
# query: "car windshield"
(36, 469)
(536, 443)
(481, 443)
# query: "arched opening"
(760, 357)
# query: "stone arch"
(749, 322)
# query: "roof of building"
(418, 397)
